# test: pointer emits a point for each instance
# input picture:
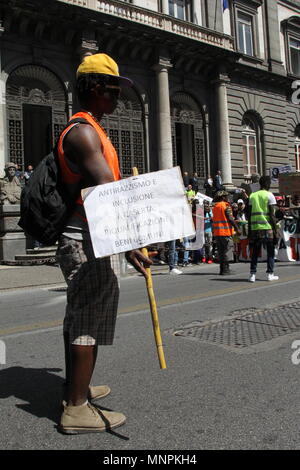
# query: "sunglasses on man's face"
(113, 90)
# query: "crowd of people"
(243, 239)
(12, 182)
(21, 176)
(24, 176)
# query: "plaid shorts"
(92, 292)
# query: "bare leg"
(68, 362)
(95, 355)
(69, 354)
(83, 361)
(67, 359)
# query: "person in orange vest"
(223, 229)
(87, 158)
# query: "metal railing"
(156, 20)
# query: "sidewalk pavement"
(15, 277)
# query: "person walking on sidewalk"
(262, 227)
(223, 225)
(87, 158)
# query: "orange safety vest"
(221, 225)
(72, 179)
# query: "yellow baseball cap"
(104, 65)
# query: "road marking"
(33, 327)
(7, 290)
(164, 304)
(208, 295)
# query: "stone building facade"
(215, 82)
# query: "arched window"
(251, 145)
(36, 113)
(297, 147)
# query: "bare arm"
(249, 221)
(231, 220)
(273, 220)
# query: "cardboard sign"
(197, 242)
(287, 248)
(202, 197)
(278, 170)
(288, 244)
(289, 184)
(137, 211)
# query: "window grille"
(125, 127)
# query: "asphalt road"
(209, 397)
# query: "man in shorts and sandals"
(87, 158)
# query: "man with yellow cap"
(87, 158)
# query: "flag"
(225, 4)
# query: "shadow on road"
(295, 264)
(241, 279)
(40, 388)
(228, 279)
(197, 274)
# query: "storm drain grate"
(246, 327)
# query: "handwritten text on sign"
(137, 211)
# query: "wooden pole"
(153, 307)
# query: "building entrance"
(184, 147)
(36, 113)
(188, 136)
(37, 125)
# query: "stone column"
(12, 237)
(273, 37)
(147, 148)
(208, 162)
(165, 7)
(224, 154)
(197, 12)
(165, 155)
(214, 15)
(3, 140)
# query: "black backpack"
(45, 203)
